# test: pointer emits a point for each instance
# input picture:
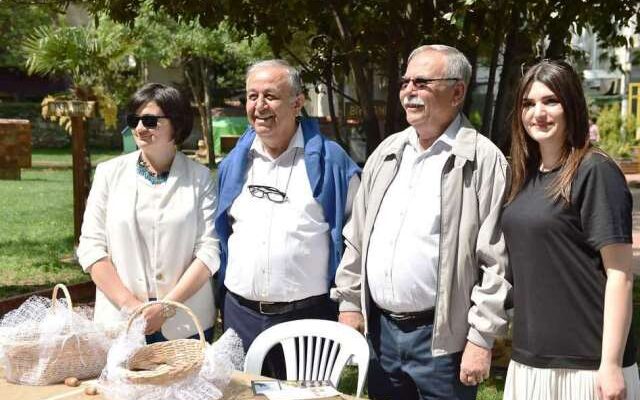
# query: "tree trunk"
(393, 75)
(557, 44)
(473, 60)
(487, 112)
(332, 109)
(198, 97)
(207, 133)
(517, 51)
(472, 20)
(369, 118)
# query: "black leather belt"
(414, 318)
(276, 308)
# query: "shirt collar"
(297, 141)
(448, 137)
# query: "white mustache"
(413, 101)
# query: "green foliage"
(617, 136)
(171, 41)
(476, 119)
(16, 23)
(95, 57)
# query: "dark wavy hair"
(173, 104)
(565, 83)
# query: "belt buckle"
(400, 317)
(265, 303)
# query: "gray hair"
(293, 76)
(457, 64)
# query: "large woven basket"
(166, 362)
(32, 362)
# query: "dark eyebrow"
(551, 96)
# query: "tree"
(210, 58)
(93, 56)
(374, 37)
(17, 22)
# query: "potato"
(91, 390)
(72, 381)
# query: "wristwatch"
(168, 311)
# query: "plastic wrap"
(43, 342)
(220, 360)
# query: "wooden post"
(77, 111)
(81, 173)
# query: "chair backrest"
(313, 350)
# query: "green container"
(128, 144)
(227, 126)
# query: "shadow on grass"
(35, 252)
(14, 290)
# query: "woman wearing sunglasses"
(567, 226)
(147, 231)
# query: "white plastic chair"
(314, 349)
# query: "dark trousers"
(248, 324)
(402, 366)
(159, 337)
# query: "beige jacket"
(110, 230)
(471, 287)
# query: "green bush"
(617, 136)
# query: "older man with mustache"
(284, 195)
(425, 260)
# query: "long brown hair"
(564, 82)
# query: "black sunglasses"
(422, 83)
(271, 193)
(148, 121)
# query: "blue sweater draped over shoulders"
(329, 170)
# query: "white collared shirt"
(278, 251)
(403, 254)
(148, 211)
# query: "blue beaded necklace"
(151, 177)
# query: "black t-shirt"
(557, 271)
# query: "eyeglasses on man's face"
(273, 194)
(422, 83)
(148, 121)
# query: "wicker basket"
(32, 362)
(166, 362)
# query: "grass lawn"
(36, 225)
(36, 232)
(62, 157)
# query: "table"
(238, 389)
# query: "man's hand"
(352, 318)
(475, 364)
(610, 383)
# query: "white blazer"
(110, 230)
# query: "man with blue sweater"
(284, 196)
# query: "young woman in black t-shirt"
(567, 226)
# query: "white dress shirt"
(278, 251)
(405, 242)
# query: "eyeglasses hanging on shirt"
(269, 192)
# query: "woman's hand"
(610, 383)
(154, 318)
